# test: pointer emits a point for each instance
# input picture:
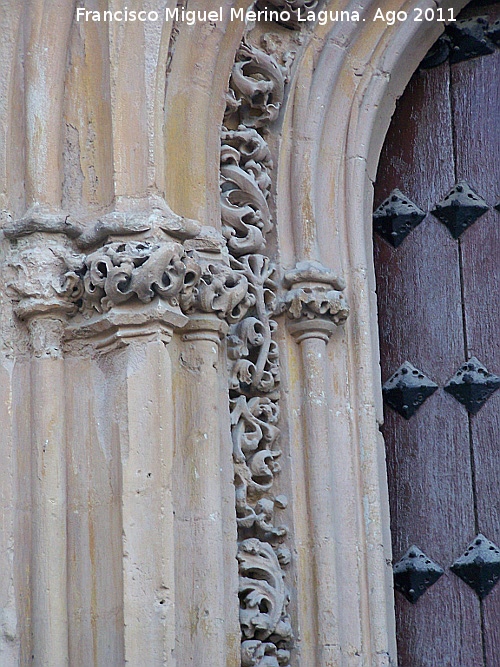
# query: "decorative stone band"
(131, 216)
(314, 301)
(126, 284)
(126, 288)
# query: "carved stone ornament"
(39, 280)
(245, 186)
(131, 216)
(257, 86)
(263, 595)
(314, 300)
(218, 290)
(253, 102)
(121, 271)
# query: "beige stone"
(189, 382)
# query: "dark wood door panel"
(438, 306)
(476, 102)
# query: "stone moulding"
(312, 292)
(256, 92)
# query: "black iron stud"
(396, 217)
(472, 385)
(493, 32)
(479, 567)
(437, 54)
(415, 573)
(469, 39)
(407, 389)
(460, 209)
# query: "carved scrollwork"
(219, 290)
(255, 653)
(258, 86)
(245, 186)
(263, 594)
(252, 350)
(120, 271)
(253, 102)
(255, 437)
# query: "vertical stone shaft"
(200, 530)
(45, 69)
(145, 403)
(48, 487)
(318, 466)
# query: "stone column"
(43, 303)
(129, 309)
(208, 603)
(316, 306)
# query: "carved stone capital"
(136, 271)
(314, 301)
(39, 281)
(42, 289)
(131, 289)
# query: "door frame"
(338, 110)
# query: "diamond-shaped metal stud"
(479, 567)
(407, 389)
(493, 32)
(460, 209)
(396, 217)
(437, 54)
(472, 385)
(469, 39)
(415, 573)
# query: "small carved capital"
(43, 290)
(131, 290)
(314, 301)
(40, 283)
(220, 290)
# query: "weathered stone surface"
(123, 430)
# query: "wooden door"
(437, 260)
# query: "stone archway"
(133, 373)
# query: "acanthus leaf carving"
(245, 187)
(263, 594)
(219, 290)
(252, 349)
(253, 102)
